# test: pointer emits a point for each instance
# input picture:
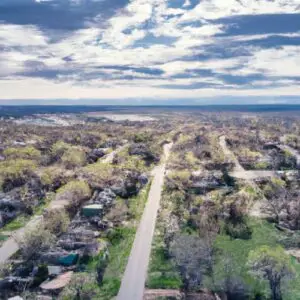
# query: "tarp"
(58, 283)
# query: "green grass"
(162, 273)
(22, 220)
(121, 240)
(17, 223)
(264, 233)
(3, 237)
(137, 203)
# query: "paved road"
(133, 282)
(10, 247)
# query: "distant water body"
(26, 110)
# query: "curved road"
(133, 282)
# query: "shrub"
(53, 177)
(34, 241)
(56, 221)
(25, 153)
(98, 174)
(15, 172)
(76, 191)
(73, 157)
(82, 286)
(238, 231)
(58, 149)
(142, 137)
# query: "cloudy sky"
(163, 50)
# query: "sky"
(142, 51)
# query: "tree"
(208, 229)
(191, 256)
(272, 264)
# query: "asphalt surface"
(10, 246)
(133, 282)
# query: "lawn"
(162, 273)
(238, 250)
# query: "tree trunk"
(275, 290)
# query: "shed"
(92, 210)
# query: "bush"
(25, 153)
(53, 177)
(15, 172)
(58, 149)
(83, 286)
(34, 241)
(98, 174)
(76, 191)
(142, 137)
(56, 221)
(73, 157)
(238, 231)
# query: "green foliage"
(98, 174)
(51, 174)
(24, 153)
(83, 286)
(265, 260)
(263, 165)
(137, 203)
(75, 191)
(162, 273)
(73, 157)
(182, 177)
(5, 269)
(76, 186)
(56, 221)
(59, 148)
(142, 137)
(15, 224)
(132, 163)
(191, 159)
(263, 234)
(34, 241)
(272, 264)
(109, 289)
(238, 231)
(16, 170)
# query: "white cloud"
(280, 62)
(113, 44)
(21, 35)
(215, 9)
(40, 88)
